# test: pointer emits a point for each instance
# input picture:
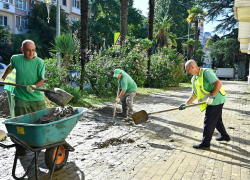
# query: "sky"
(143, 6)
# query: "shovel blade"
(60, 97)
(140, 117)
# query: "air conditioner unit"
(6, 6)
(20, 28)
(33, 2)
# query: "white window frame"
(8, 1)
(3, 20)
(65, 3)
(22, 21)
(23, 5)
(76, 4)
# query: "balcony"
(244, 32)
(241, 10)
(243, 48)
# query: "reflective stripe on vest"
(199, 90)
(11, 78)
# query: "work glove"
(29, 88)
(117, 100)
(1, 80)
(210, 100)
(182, 107)
(3, 135)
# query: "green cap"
(117, 72)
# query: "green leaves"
(65, 44)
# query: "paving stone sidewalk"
(162, 147)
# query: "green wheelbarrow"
(24, 132)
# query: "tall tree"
(123, 19)
(161, 28)
(221, 11)
(196, 16)
(84, 38)
(46, 32)
(150, 28)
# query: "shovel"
(58, 96)
(142, 116)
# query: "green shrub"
(78, 95)
(166, 68)
(132, 59)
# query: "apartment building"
(13, 13)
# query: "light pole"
(58, 7)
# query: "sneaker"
(200, 146)
(222, 139)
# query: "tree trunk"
(150, 28)
(84, 38)
(123, 19)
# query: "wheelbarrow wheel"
(50, 156)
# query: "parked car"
(2, 68)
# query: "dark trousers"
(212, 120)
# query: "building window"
(8, 1)
(76, 4)
(3, 20)
(64, 2)
(21, 21)
(21, 4)
(74, 19)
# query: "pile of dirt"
(113, 142)
(105, 110)
(60, 113)
(4, 105)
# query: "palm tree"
(66, 45)
(150, 27)
(164, 37)
(190, 45)
(196, 16)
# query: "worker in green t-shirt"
(128, 87)
(30, 71)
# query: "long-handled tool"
(113, 121)
(142, 116)
(58, 96)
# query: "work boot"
(128, 119)
(122, 114)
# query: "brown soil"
(60, 113)
(113, 142)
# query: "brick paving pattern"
(162, 148)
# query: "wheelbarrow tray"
(38, 135)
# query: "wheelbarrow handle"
(24, 86)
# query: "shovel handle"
(177, 108)
(23, 86)
(116, 103)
